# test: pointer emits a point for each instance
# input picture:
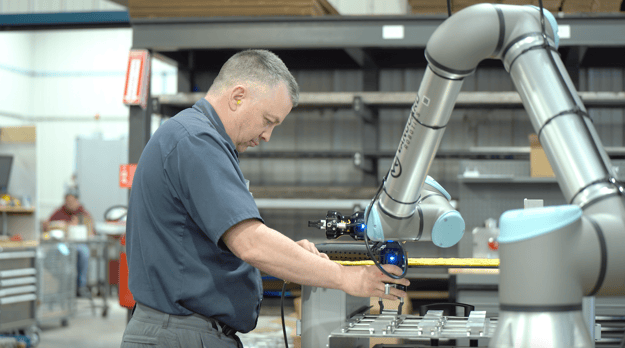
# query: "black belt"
(219, 326)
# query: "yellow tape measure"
(448, 262)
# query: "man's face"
(71, 203)
(260, 114)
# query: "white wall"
(34, 6)
(15, 80)
(78, 74)
(60, 80)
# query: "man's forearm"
(278, 255)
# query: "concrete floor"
(88, 330)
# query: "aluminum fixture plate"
(433, 325)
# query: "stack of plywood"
(552, 6)
(581, 6)
(577, 6)
(226, 8)
(607, 5)
(457, 5)
(429, 6)
(440, 6)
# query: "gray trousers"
(149, 328)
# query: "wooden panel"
(328, 8)
(17, 210)
(23, 244)
(429, 6)
(550, 5)
(26, 134)
(577, 6)
(606, 5)
(438, 6)
(197, 8)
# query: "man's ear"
(236, 97)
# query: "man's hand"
(368, 281)
(304, 243)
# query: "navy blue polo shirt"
(187, 191)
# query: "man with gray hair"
(195, 239)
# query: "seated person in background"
(73, 213)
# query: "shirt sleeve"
(206, 178)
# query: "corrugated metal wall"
(339, 130)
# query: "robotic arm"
(434, 219)
(550, 257)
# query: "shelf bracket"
(370, 123)
(364, 111)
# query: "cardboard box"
(539, 164)
(26, 134)
(77, 233)
(297, 342)
(297, 303)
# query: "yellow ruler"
(436, 262)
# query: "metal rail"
(172, 34)
(406, 99)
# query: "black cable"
(542, 21)
(366, 239)
(286, 342)
(448, 8)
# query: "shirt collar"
(206, 108)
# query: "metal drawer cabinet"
(18, 293)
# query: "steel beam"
(173, 34)
(406, 99)
(139, 128)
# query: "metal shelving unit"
(201, 45)
(5, 211)
(197, 45)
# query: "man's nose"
(266, 135)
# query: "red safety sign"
(126, 173)
(137, 78)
